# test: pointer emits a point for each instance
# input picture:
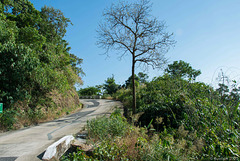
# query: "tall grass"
(107, 128)
(115, 139)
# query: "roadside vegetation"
(105, 90)
(171, 117)
(37, 70)
(177, 118)
(205, 119)
(183, 119)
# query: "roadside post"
(1, 107)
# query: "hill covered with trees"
(37, 70)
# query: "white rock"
(57, 149)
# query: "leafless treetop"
(129, 27)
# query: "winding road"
(29, 144)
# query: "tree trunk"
(133, 86)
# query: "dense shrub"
(169, 102)
(89, 91)
(110, 86)
(107, 128)
(137, 145)
(7, 119)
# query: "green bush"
(165, 98)
(125, 96)
(89, 91)
(107, 128)
(108, 150)
(212, 115)
(34, 115)
(8, 119)
(79, 155)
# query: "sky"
(207, 33)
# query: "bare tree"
(129, 28)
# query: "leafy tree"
(110, 86)
(54, 23)
(17, 61)
(128, 82)
(143, 77)
(34, 57)
(100, 88)
(75, 63)
(129, 27)
(89, 91)
(183, 70)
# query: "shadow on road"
(95, 103)
(8, 158)
(69, 119)
(41, 155)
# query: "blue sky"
(207, 34)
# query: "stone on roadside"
(57, 149)
(81, 144)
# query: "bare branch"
(129, 28)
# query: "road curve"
(29, 144)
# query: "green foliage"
(125, 96)
(16, 64)
(89, 91)
(172, 102)
(211, 116)
(34, 115)
(54, 23)
(128, 82)
(110, 86)
(76, 156)
(165, 98)
(165, 146)
(109, 132)
(7, 119)
(107, 128)
(109, 150)
(34, 57)
(183, 70)
(136, 145)
(143, 77)
(75, 62)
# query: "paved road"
(29, 144)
